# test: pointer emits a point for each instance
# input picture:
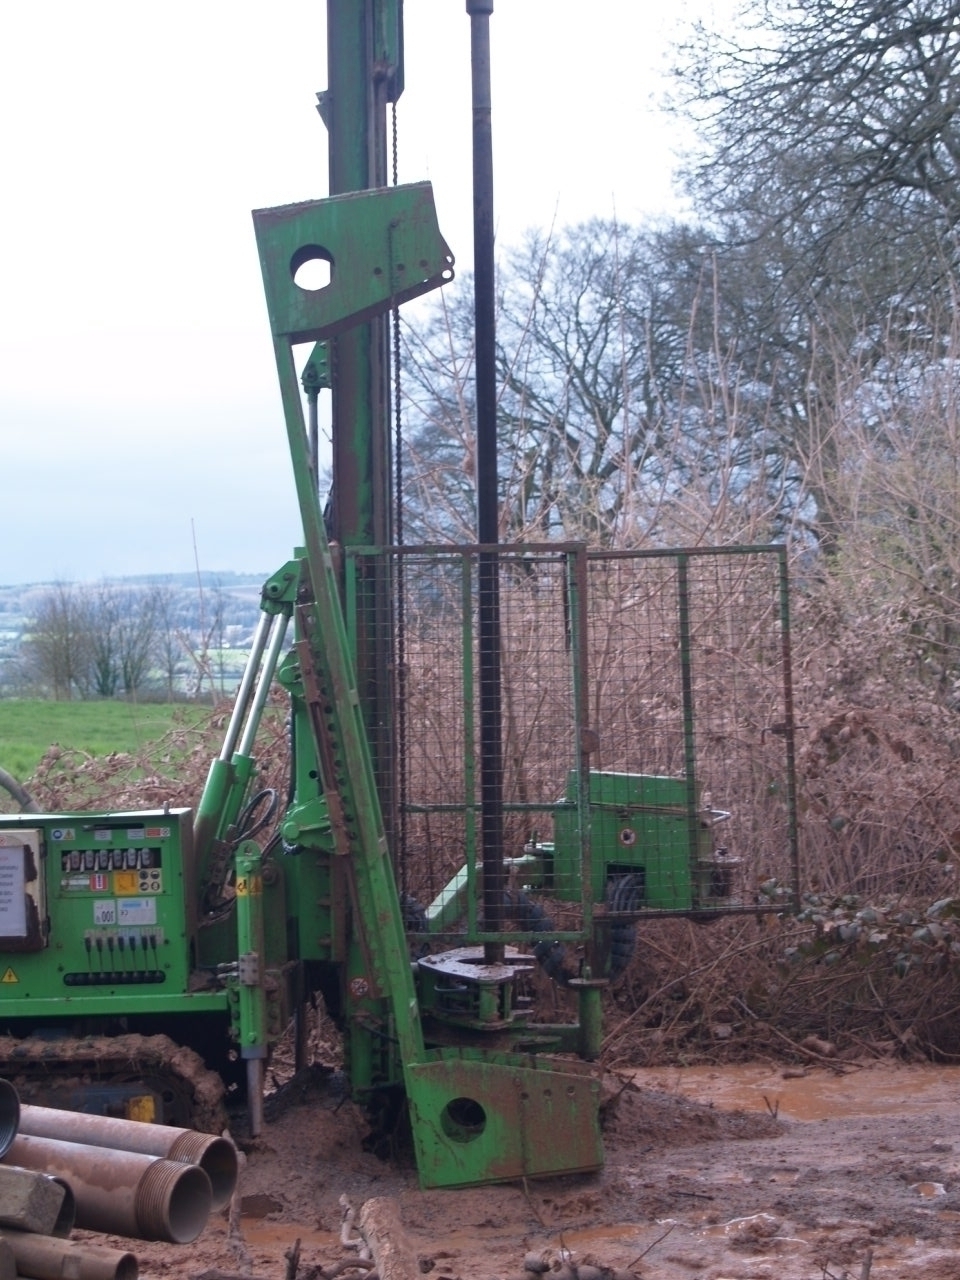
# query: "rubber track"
(32, 1060)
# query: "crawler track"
(55, 1071)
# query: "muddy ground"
(710, 1175)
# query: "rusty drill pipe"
(44, 1258)
(9, 1115)
(217, 1157)
(123, 1192)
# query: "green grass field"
(28, 727)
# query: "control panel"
(92, 902)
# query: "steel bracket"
(383, 247)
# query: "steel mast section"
(365, 75)
(478, 1111)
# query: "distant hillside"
(215, 613)
(241, 590)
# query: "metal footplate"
(483, 1117)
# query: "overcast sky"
(139, 407)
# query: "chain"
(401, 642)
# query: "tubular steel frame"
(712, 706)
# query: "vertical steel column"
(577, 587)
(364, 74)
(789, 723)
(689, 720)
(488, 531)
(469, 739)
(251, 987)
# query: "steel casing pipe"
(217, 1157)
(44, 1258)
(9, 1115)
(123, 1192)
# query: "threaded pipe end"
(172, 1202)
(217, 1157)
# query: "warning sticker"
(125, 882)
(9, 976)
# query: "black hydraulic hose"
(247, 828)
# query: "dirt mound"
(646, 1119)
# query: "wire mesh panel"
(647, 752)
(690, 684)
(437, 780)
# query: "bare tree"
(208, 649)
(102, 607)
(823, 117)
(830, 175)
(138, 635)
(171, 648)
(98, 640)
(630, 406)
(56, 642)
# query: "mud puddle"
(817, 1093)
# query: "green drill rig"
(449, 838)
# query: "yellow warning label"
(9, 976)
(125, 883)
(142, 1108)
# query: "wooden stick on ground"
(379, 1224)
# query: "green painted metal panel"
(109, 894)
(638, 822)
(496, 1118)
(383, 247)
